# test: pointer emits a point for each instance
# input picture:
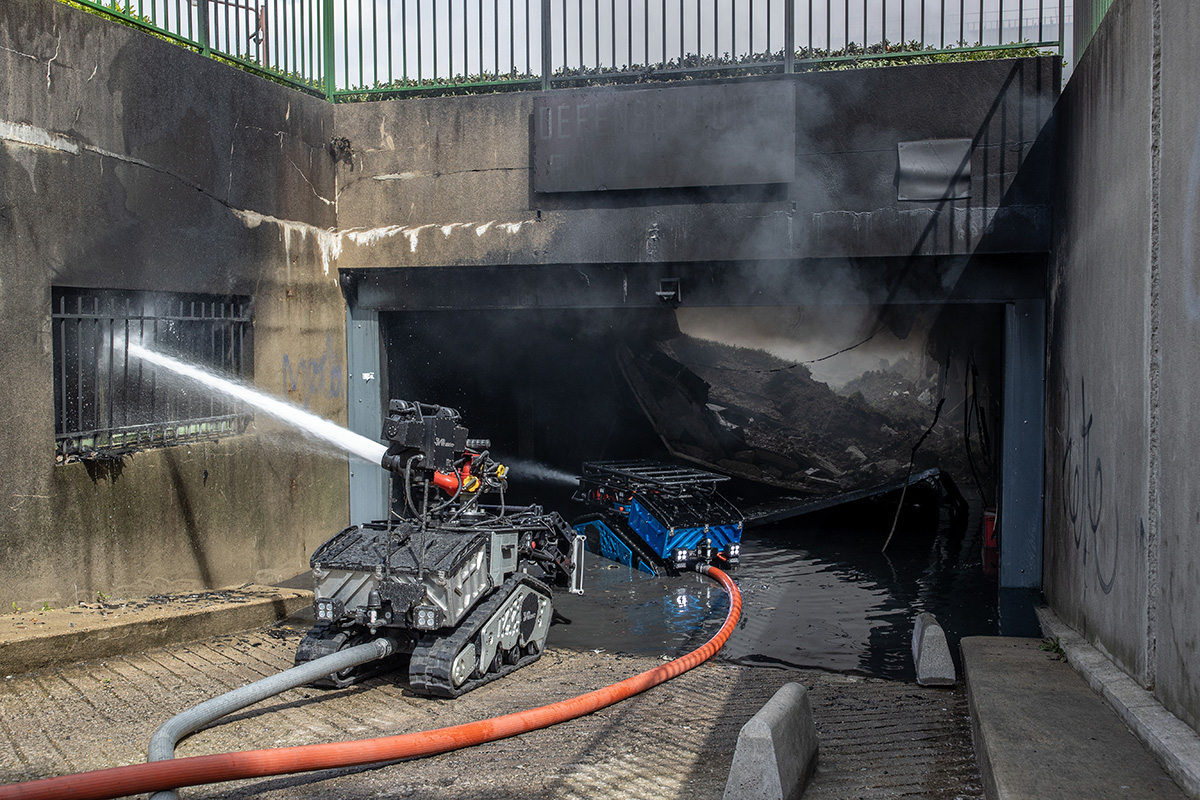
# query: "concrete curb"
(1168, 738)
(931, 653)
(776, 751)
(66, 636)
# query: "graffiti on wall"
(306, 379)
(1082, 488)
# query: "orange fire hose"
(162, 775)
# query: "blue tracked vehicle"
(658, 518)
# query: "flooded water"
(814, 595)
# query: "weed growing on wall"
(696, 67)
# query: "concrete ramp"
(1041, 732)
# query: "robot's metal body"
(658, 518)
(464, 587)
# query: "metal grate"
(283, 40)
(638, 474)
(108, 404)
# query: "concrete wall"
(448, 181)
(1122, 563)
(1087, 18)
(130, 163)
(1175, 320)
(1097, 390)
(127, 162)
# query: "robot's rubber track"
(433, 656)
(638, 550)
(657, 566)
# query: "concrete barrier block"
(776, 751)
(931, 653)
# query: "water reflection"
(681, 614)
(821, 597)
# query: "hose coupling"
(385, 646)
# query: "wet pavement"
(879, 738)
(814, 596)
(822, 607)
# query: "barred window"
(108, 403)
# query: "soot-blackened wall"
(132, 164)
(450, 181)
(452, 205)
(129, 163)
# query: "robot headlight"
(328, 609)
(426, 618)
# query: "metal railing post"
(1062, 29)
(547, 61)
(329, 81)
(202, 27)
(789, 36)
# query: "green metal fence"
(1088, 16)
(368, 49)
(285, 40)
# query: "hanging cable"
(912, 460)
(971, 390)
(408, 483)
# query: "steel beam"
(1022, 482)
(365, 396)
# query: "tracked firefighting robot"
(465, 588)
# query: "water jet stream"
(302, 420)
(536, 471)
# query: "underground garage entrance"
(841, 427)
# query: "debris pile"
(747, 413)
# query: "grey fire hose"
(162, 743)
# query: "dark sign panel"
(723, 135)
(935, 169)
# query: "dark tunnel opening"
(553, 388)
(746, 392)
(542, 386)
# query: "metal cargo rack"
(639, 475)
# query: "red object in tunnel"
(989, 529)
(991, 544)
